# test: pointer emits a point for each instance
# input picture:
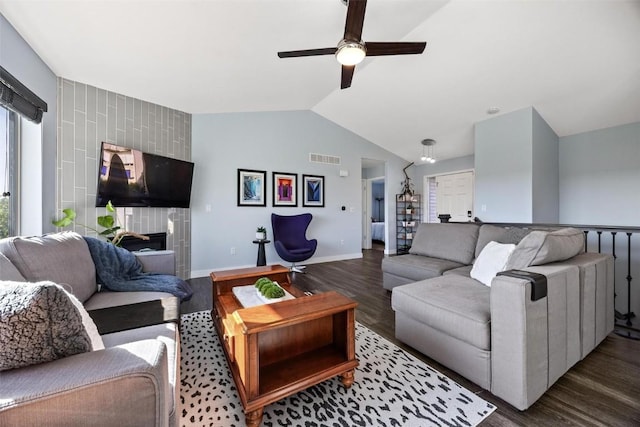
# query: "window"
(8, 173)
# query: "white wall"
(276, 141)
(600, 177)
(503, 168)
(545, 195)
(17, 57)
(600, 185)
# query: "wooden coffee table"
(275, 350)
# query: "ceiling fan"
(351, 50)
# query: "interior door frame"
(425, 189)
(367, 206)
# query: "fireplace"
(156, 242)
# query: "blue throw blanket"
(119, 270)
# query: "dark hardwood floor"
(601, 390)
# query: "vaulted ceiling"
(576, 62)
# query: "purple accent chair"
(290, 240)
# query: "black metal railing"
(625, 263)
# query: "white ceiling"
(576, 62)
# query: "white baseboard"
(314, 260)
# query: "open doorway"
(374, 229)
(449, 194)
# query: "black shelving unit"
(408, 210)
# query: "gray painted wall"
(17, 57)
(599, 185)
(89, 116)
(600, 177)
(545, 198)
(503, 168)
(442, 167)
(277, 141)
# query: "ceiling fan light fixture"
(350, 52)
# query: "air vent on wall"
(323, 158)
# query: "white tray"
(249, 296)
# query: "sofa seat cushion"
(106, 299)
(167, 333)
(460, 271)
(455, 305)
(50, 257)
(417, 267)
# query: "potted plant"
(110, 222)
(409, 208)
(261, 233)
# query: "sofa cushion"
(417, 267)
(491, 260)
(169, 334)
(498, 234)
(455, 305)
(50, 257)
(453, 242)
(88, 323)
(542, 247)
(8, 271)
(461, 271)
(38, 323)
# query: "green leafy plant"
(110, 222)
(261, 229)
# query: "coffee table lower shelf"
(276, 351)
(297, 371)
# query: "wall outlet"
(483, 208)
(233, 251)
(341, 242)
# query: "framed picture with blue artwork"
(251, 187)
(313, 191)
(285, 189)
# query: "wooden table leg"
(347, 378)
(254, 418)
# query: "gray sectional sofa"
(513, 336)
(134, 380)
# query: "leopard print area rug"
(391, 388)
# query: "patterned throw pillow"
(38, 323)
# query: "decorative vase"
(261, 236)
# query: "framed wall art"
(251, 187)
(285, 189)
(313, 191)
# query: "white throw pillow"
(491, 261)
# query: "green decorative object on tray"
(268, 288)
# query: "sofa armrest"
(533, 342)
(122, 385)
(157, 261)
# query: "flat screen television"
(129, 177)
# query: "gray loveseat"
(134, 381)
(515, 337)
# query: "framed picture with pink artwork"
(285, 189)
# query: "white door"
(454, 196)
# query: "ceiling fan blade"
(347, 76)
(394, 48)
(355, 19)
(307, 52)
